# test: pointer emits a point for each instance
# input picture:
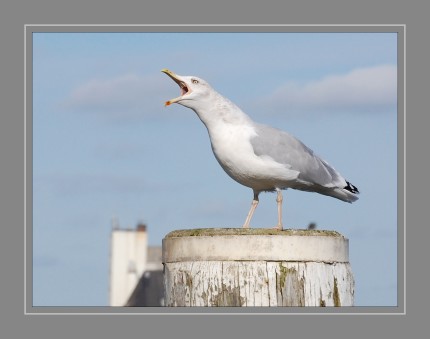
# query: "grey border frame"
(29, 309)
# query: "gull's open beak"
(184, 88)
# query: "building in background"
(136, 270)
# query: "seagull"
(257, 156)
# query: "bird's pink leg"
(279, 202)
(251, 211)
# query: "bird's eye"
(194, 81)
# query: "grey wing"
(288, 150)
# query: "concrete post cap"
(238, 244)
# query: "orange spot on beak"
(167, 103)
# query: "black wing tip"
(350, 187)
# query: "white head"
(194, 91)
(210, 106)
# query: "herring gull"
(255, 155)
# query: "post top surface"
(212, 232)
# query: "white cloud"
(126, 96)
(130, 96)
(370, 89)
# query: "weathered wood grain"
(248, 283)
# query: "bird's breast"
(233, 149)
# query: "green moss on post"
(336, 298)
(211, 232)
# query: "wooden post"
(257, 267)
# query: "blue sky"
(105, 146)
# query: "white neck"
(216, 109)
